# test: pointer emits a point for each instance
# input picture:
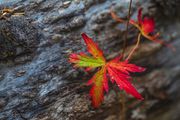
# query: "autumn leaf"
(146, 27)
(118, 71)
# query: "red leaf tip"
(73, 58)
(148, 25)
(84, 35)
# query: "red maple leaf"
(118, 71)
(146, 27)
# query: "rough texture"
(17, 36)
(46, 87)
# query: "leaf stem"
(136, 46)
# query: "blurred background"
(38, 83)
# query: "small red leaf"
(148, 25)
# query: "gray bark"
(38, 83)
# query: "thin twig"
(127, 26)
